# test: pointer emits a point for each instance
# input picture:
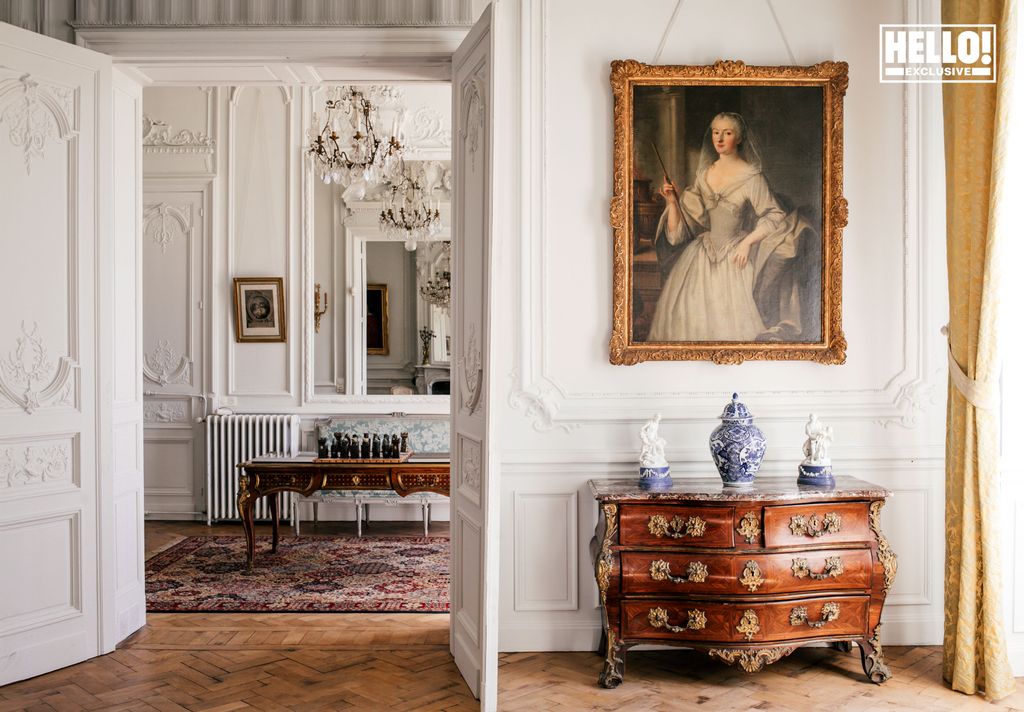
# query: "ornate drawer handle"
(833, 569)
(749, 527)
(749, 624)
(696, 572)
(658, 525)
(814, 525)
(829, 613)
(751, 577)
(695, 620)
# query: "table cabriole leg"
(275, 519)
(246, 503)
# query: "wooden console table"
(267, 476)
(747, 575)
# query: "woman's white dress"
(706, 297)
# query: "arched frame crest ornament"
(626, 76)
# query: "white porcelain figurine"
(816, 468)
(654, 469)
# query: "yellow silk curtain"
(976, 122)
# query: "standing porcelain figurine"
(816, 469)
(737, 445)
(654, 469)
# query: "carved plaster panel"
(471, 367)
(426, 127)
(30, 379)
(163, 223)
(475, 109)
(36, 113)
(165, 412)
(470, 465)
(37, 463)
(158, 137)
(165, 365)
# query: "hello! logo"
(933, 54)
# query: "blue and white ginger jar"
(737, 445)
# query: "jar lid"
(736, 410)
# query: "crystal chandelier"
(347, 148)
(408, 214)
(438, 290)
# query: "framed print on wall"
(259, 309)
(377, 320)
(727, 213)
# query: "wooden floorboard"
(400, 662)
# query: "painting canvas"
(259, 309)
(727, 213)
(377, 320)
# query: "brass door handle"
(677, 528)
(815, 526)
(829, 613)
(696, 572)
(833, 569)
(695, 620)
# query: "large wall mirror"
(378, 313)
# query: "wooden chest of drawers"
(748, 575)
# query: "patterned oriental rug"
(203, 574)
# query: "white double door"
(71, 426)
(71, 556)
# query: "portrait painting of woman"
(727, 213)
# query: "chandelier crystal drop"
(347, 148)
(409, 214)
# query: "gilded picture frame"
(260, 315)
(377, 341)
(716, 259)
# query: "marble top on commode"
(712, 490)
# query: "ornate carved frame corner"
(833, 78)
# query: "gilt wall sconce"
(317, 311)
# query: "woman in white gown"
(730, 223)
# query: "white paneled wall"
(571, 416)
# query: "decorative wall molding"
(913, 400)
(471, 368)
(24, 465)
(545, 525)
(269, 13)
(473, 121)
(165, 365)
(36, 113)
(540, 404)
(470, 468)
(160, 220)
(28, 366)
(165, 412)
(427, 128)
(158, 137)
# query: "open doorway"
(103, 603)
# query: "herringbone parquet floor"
(222, 662)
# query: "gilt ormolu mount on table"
(747, 575)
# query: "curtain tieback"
(980, 394)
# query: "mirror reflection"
(382, 257)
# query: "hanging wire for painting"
(675, 16)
